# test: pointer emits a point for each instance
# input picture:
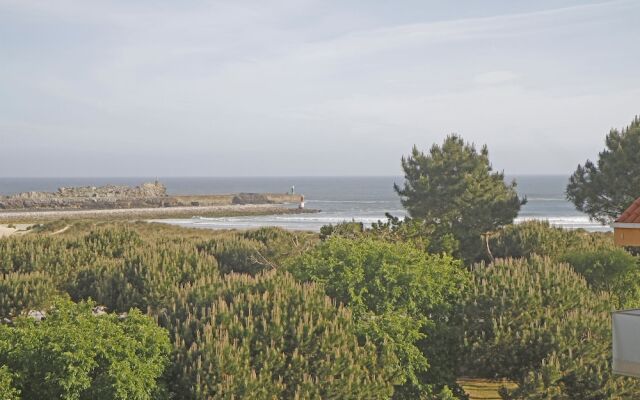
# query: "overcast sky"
(304, 87)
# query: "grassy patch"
(484, 389)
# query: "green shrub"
(24, 292)
(268, 337)
(537, 322)
(613, 270)
(309, 346)
(350, 230)
(397, 293)
(7, 390)
(539, 237)
(74, 354)
(237, 255)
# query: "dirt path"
(59, 231)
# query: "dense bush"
(346, 229)
(536, 322)
(279, 338)
(279, 244)
(24, 292)
(613, 270)
(539, 237)
(236, 255)
(7, 390)
(115, 267)
(268, 337)
(74, 354)
(242, 328)
(398, 295)
(416, 232)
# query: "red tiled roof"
(631, 215)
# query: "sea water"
(362, 199)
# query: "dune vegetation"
(453, 297)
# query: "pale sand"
(20, 229)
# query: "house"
(626, 323)
(626, 229)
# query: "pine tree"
(604, 190)
(455, 189)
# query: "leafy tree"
(400, 297)
(74, 354)
(454, 189)
(604, 190)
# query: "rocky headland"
(147, 195)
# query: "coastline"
(151, 212)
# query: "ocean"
(363, 199)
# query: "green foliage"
(397, 294)
(255, 251)
(350, 230)
(74, 354)
(24, 292)
(115, 267)
(236, 255)
(454, 189)
(613, 270)
(7, 390)
(268, 337)
(241, 327)
(536, 322)
(394, 230)
(604, 190)
(308, 346)
(279, 244)
(593, 255)
(539, 237)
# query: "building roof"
(631, 215)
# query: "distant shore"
(148, 213)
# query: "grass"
(484, 389)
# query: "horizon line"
(159, 177)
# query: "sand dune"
(17, 229)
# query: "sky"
(306, 87)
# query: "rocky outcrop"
(148, 195)
(146, 190)
(251, 198)
(91, 197)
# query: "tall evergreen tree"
(604, 190)
(455, 189)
